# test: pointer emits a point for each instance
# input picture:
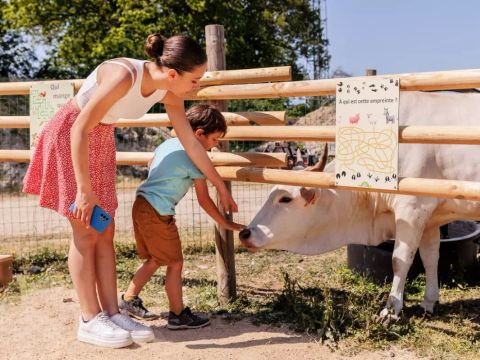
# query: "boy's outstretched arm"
(207, 204)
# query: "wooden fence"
(271, 83)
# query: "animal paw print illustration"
(342, 174)
(396, 82)
(356, 176)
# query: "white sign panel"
(367, 133)
(45, 100)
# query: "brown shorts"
(156, 235)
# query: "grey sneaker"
(139, 332)
(186, 320)
(136, 309)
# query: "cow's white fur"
(336, 218)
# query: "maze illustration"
(374, 150)
(40, 107)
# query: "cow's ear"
(309, 195)
(320, 165)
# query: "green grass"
(317, 295)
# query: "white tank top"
(132, 105)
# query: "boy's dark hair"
(206, 117)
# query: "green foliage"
(196, 249)
(81, 34)
(331, 313)
(44, 258)
(258, 104)
(125, 250)
(17, 60)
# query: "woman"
(74, 161)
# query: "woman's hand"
(85, 201)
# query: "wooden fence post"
(226, 278)
(6, 266)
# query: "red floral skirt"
(50, 174)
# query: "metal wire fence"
(27, 228)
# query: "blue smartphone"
(99, 220)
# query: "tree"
(17, 60)
(82, 34)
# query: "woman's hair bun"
(154, 45)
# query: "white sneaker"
(138, 331)
(102, 331)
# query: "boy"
(170, 175)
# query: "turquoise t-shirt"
(170, 176)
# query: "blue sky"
(403, 36)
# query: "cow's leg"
(410, 222)
(403, 255)
(430, 252)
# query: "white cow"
(326, 219)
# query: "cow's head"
(292, 218)
(288, 219)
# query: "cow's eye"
(285, 199)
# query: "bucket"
(458, 254)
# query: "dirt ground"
(43, 326)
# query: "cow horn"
(320, 165)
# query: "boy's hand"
(230, 225)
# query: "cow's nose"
(244, 234)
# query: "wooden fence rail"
(441, 80)
(276, 160)
(407, 134)
(270, 118)
(444, 80)
(258, 75)
(450, 189)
